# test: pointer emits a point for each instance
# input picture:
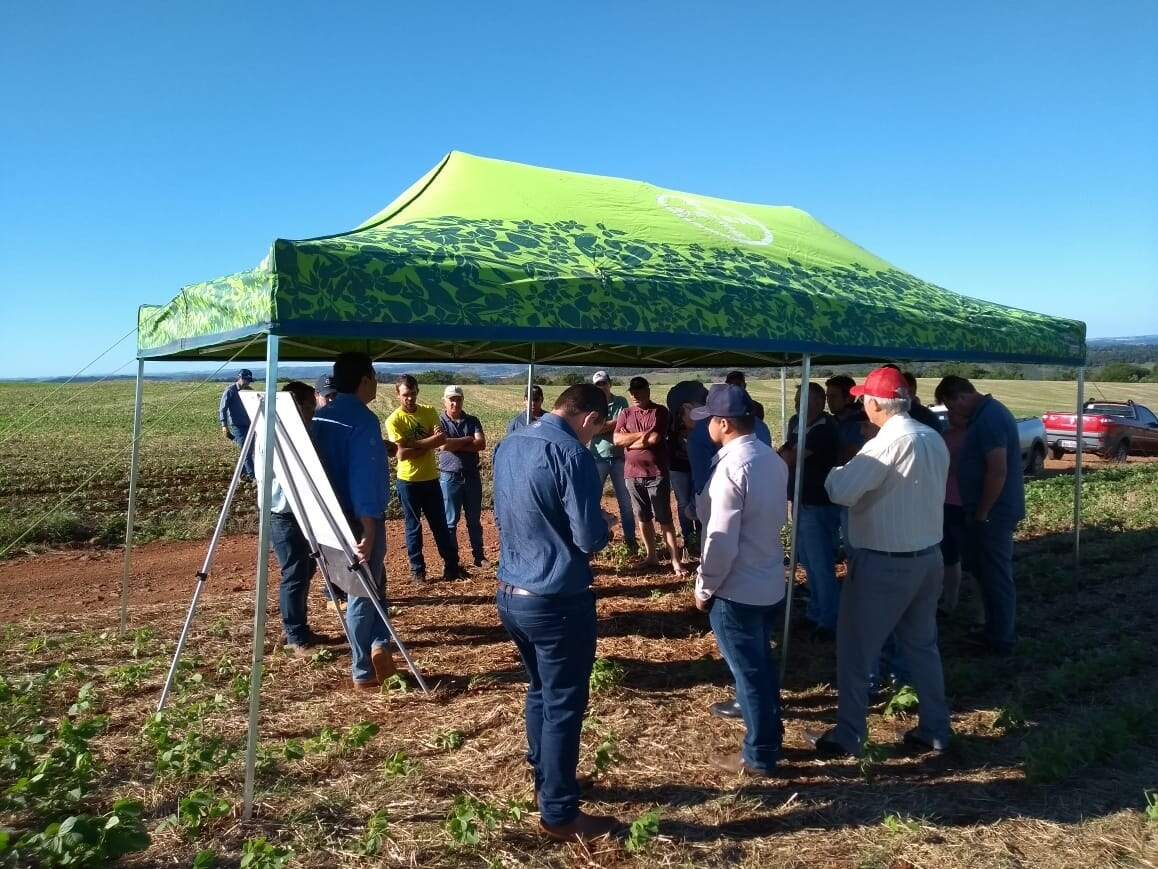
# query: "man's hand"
(391, 448)
(652, 439)
(703, 604)
(366, 544)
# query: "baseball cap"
(638, 383)
(724, 399)
(600, 377)
(245, 374)
(883, 383)
(324, 385)
(452, 392)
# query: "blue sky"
(1007, 151)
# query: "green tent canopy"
(491, 261)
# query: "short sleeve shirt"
(651, 462)
(401, 426)
(602, 446)
(992, 427)
(466, 463)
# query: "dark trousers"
(462, 495)
(297, 567)
(425, 499)
(744, 635)
(989, 557)
(237, 434)
(556, 640)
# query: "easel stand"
(286, 452)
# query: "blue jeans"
(297, 567)
(556, 640)
(462, 494)
(744, 635)
(989, 557)
(614, 468)
(237, 434)
(425, 499)
(816, 542)
(364, 625)
(685, 495)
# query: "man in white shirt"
(894, 488)
(740, 581)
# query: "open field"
(83, 432)
(1055, 748)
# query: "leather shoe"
(734, 764)
(826, 746)
(584, 827)
(370, 685)
(383, 663)
(726, 709)
(915, 739)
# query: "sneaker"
(418, 577)
(915, 739)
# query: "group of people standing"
(879, 479)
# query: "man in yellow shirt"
(416, 430)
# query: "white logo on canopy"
(717, 219)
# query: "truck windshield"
(1111, 410)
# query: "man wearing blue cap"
(234, 420)
(740, 581)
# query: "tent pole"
(783, 403)
(801, 435)
(530, 383)
(131, 515)
(268, 434)
(1081, 401)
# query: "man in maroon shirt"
(642, 432)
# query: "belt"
(928, 550)
(516, 591)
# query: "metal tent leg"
(1081, 400)
(262, 588)
(793, 557)
(783, 403)
(131, 515)
(530, 383)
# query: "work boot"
(584, 827)
(383, 662)
(726, 709)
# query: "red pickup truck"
(1112, 429)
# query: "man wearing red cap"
(894, 488)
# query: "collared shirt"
(992, 427)
(348, 437)
(894, 488)
(519, 421)
(743, 509)
(466, 462)
(230, 410)
(602, 446)
(403, 426)
(822, 445)
(701, 450)
(547, 495)
(645, 462)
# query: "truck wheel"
(1056, 452)
(1121, 451)
(1036, 461)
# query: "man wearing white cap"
(458, 470)
(609, 458)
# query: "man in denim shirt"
(348, 438)
(234, 420)
(547, 495)
(989, 476)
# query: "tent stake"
(131, 515)
(801, 435)
(1081, 400)
(262, 587)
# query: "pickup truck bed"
(1112, 429)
